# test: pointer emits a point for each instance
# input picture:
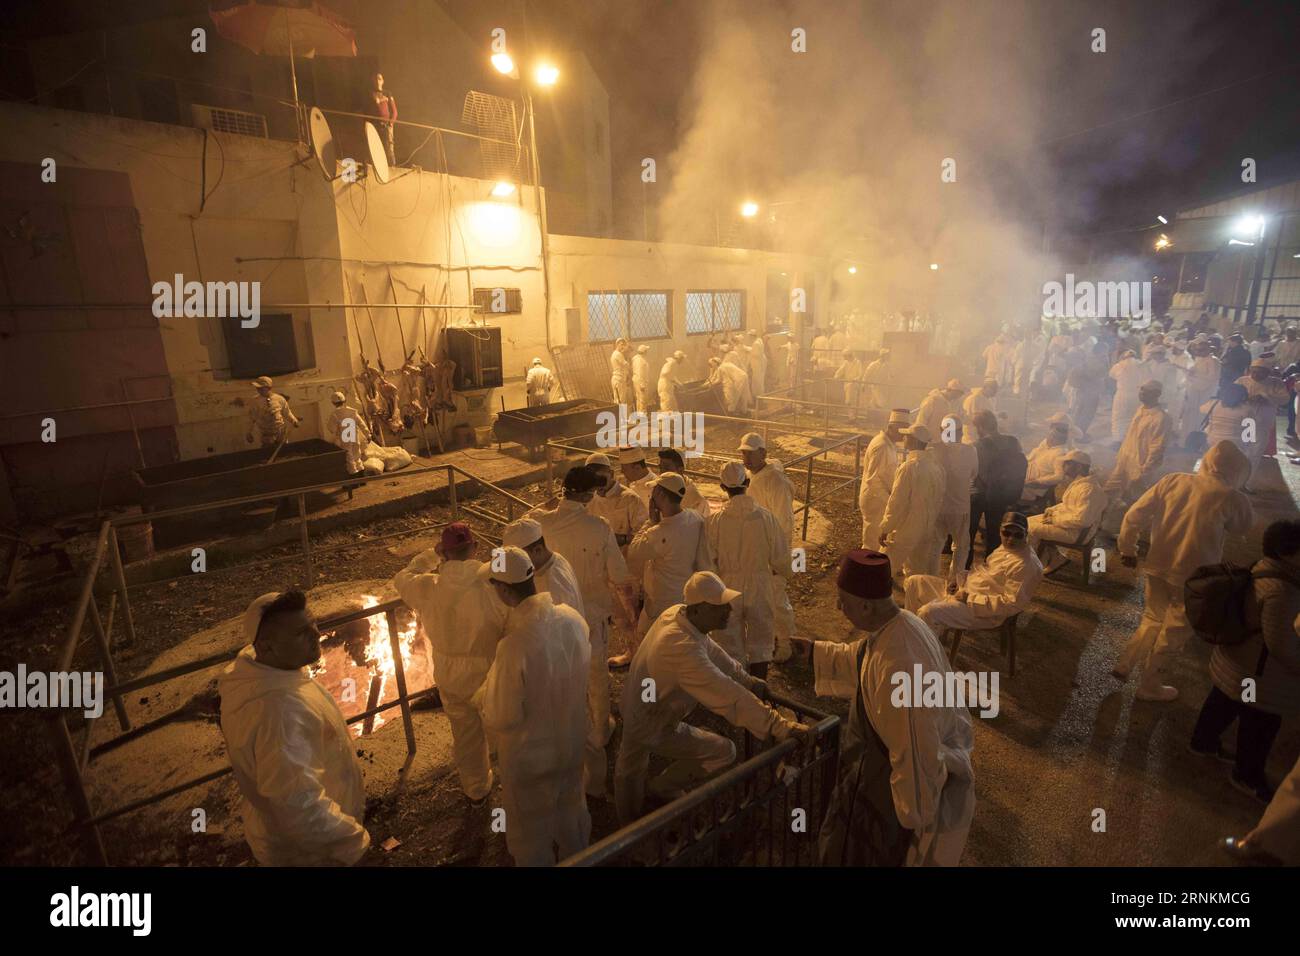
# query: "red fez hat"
(865, 574)
(454, 535)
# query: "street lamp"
(546, 74)
(934, 267)
(749, 209)
(853, 270)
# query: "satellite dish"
(322, 144)
(378, 152)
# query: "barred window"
(715, 311)
(634, 315)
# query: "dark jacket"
(1002, 466)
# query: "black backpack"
(1215, 598)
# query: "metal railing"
(74, 761)
(748, 815)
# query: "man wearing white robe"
(1081, 507)
(622, 508)
(670, 547)
(912, 511)
(1002, 586)
(938, 405)
(1189, 518)
(671, 462)
(1129, 374)
(1149, 437)
(538, 383)
(878, 379)
(771, 489)
(735, 385)
(982, 399)
(641, 378)
(850, 373)
(879, 465)
(750, 552)
(1202, 381)
(620, 378)
(960, 463)
(756, 365)
(932, 780)
(670, 376)
(1173, 386)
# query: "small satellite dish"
(322, 144)
(378, 152)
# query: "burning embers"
(357, 666)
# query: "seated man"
(1001, 587)
(1044, 471)
(1083, 502)
(677, 667)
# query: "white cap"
(262, 381)
(679, 355)
(671, 481)
(733, 475)
(899, 416)
(537, 361)
(955, 385)
(338, 398)
(1082, 457)
(521, 533)
(919, 432)
(631, 455)
(516, 567)
(643, 348)
(751, 441)
(705, 587)
(599, 458)
(253, 615)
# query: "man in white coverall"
(1129, 374)
(940, 404)
(750, 552)
(670, 376)
(1189, 517)
(620, 378)
(641, 378)
(551, 571)
(671, 462)
(771, 489)
(670, 547)
(928, 748)
(1150, 436)
(293, 757)
(912, 512)
(538, 383)
(878, 467)
(607, 589)
(463, 622)
(622, 508)
(960, 463)
(676, 668)
(346, 427)
(995, 590)
(535, 707)
(1081, 506)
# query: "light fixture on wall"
(503, 189)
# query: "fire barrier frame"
(74, 762)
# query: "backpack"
(1215, 598)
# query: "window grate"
(710, 311)
(634, 315)
(229, 121)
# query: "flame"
(379, 655)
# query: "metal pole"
(306, 542)
(1258, 279)
(550, 471)
(541, 217)
(66, 755)
(857, 467)
(807, 499)
(399, 669)
(127, 621)
(101, 638)
(451, 494)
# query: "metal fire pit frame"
(745, 813)
(74, 761)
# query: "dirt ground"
(1068, 740)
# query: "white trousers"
(957, 525)
(926, 595)
(912, 550)
(468, 746)
(696, 755)
(784, 616)
(1161, 633)
(544, 810)
(600, 726)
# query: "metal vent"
(494, 117)
(223, 120)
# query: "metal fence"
(74, 759)
(765, 811)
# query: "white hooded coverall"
(1002, 586)
(1129, 374)
(1189, 518)
(463, 621)
(668, 380)
(912, 513)
(1081, 507)
(960, 463)
(623, 510)
(557, 579)
(670, 551)
(935, 407)
(535, 708)
(878, 467)
(750, 552)
(641, 382)
(1143, 452)
(932, 783)
(620, 379)
(977, 401)
(588, 544)
(684, 668)
(771, 489)
(296, 766)
(360, 435)
(538, 384)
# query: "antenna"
(322, 144)
(378, 152)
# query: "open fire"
(357, 666)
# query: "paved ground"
(1069, 739)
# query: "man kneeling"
(1001, 587)
(677, 667)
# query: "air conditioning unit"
(223, 120)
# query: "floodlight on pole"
(853, 270)
(1249, 227)
(504, 63)
(1163, 220)
(749, 209)
(934, 267)
(546, 74)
